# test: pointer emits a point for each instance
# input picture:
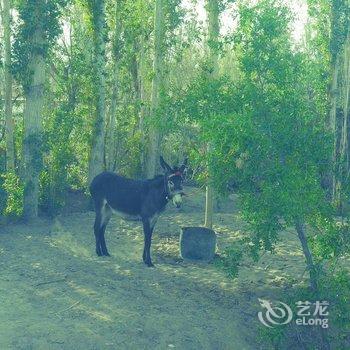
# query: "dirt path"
(56, 294)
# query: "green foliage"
(36, 33)
(68, 118)
(33, 143)
(339, 26)
(174, 15)
(14, 189)
(3, 196)
(207, 105)
(59, 156)
(230, 259)
(331, 239)
(334, 288)
(273, 140)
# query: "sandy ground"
(56, 294)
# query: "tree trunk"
(111, 132)
(10, 146)
(143, 108)
(137, 71)
(300, 228)
(344, 144)
(212, 8)
(209, 205)
(32, 155)
(333, 120)
(110, 150)
(157, 82)
(339, 97)
(96, 164)
(313, 273)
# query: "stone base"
(197, 243)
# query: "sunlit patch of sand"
(57, 294)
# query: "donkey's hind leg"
(106, 214)
(147, 230)
(97, 229)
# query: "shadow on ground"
(56, 294)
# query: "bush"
(334, 288)
(230, 259)
(14, 189)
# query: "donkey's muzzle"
(177, 199)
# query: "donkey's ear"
(184, 165)
(165, 165)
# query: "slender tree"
(344, 102)
(10, 149)
(35, 36)
(34, 100)
(116, 54)
(142, 101)
(212, 8)
(339, 94)
(157, 83)
(97, 13)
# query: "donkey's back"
(120, 193)
(108, 180)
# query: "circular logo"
(274, 315)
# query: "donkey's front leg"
(147, 230)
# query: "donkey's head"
(174, 177)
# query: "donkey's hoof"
(150, 264)
(107, 254)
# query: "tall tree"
(213, 12)
(97, 13)
(157, 84)
(35, 36)
(116, 54)
(142, 101)
(339, 94)
(276, 135)
(34, 100)
(10, 147)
